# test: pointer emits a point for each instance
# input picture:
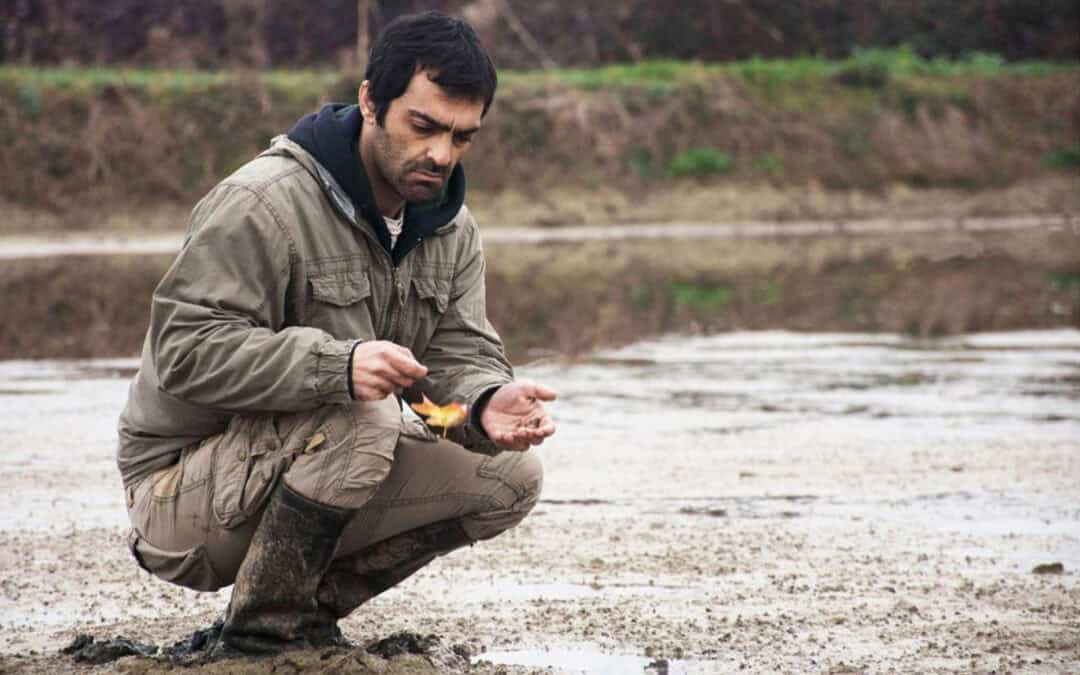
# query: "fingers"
(373, 387)
(380, 368)
(539, 391)
(405, 364)
(545, 429)
(522, 438)
(389, 372)
(369, 393)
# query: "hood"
(332, 137)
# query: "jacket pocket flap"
(340, 289)
(436, 290)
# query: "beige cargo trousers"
(192, 522)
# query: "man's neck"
(387, 200)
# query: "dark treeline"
(528, 33)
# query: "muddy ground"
(755, 502)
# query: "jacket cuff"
(348, 370)
(475, 440)
(471, 435)
(332, 380)
(477, 408)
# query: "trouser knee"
(522, 478)
(348, 451)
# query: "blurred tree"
(363, 37)
(528, 33)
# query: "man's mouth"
(429, 176)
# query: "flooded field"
(759, 502)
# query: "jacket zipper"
(391, 320)
(393, 312)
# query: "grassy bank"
(87, 148)
(558, 298)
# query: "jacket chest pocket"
(341, 304)
(429, 300)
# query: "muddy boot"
(273, 604)
(352, 581)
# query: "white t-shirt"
(394, 225)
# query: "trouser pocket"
(190, 568)
(247, 464)
(348, 454)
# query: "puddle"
(104, 371)
(508, 591)
(705, 511)
(576, 502)
(591, 659)
(29, 392)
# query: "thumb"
(541, 392)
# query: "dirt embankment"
(572, 296)
(656, 142)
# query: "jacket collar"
(331, 138)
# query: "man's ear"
(367, 106)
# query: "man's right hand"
(379, 368)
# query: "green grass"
(700, 162)
(1064, 280)
(771, 292)
(294, 83)
(1064, 158)
(770, 165)
(700, 296)
(865, 67)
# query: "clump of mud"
(398, 654)
(453, 657)
(87, 649)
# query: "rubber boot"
(352, 581)
(273, 605)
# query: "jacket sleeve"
(217, 318)
(465, 358)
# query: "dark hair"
(445, 46)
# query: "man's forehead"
(427, 98)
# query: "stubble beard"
(396, 170)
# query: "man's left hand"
(514, 417)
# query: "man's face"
(423, 136)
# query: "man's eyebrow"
(439, 125)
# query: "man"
(263, 443)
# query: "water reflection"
(594, 660)
(758, 380)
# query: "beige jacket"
(275, 283)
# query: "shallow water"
(591, 659)
(725, 429)
(889, 390)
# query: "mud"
(892, 527)
(402, 653)
(1049, 568)
(87, 649)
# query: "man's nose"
(441, 151)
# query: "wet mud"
(88, 649)
(915, 524)
(402, 653)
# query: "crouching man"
(263, 443)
